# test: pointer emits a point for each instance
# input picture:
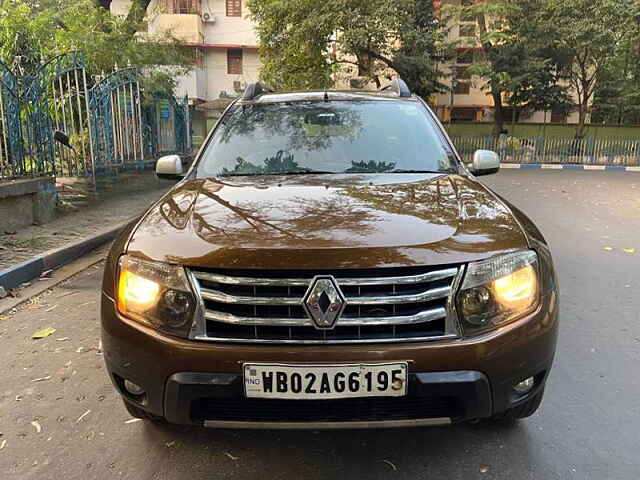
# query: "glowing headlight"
(498, 290)
(156, 294)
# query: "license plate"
(314, 382)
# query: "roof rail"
(254, 90)
(398, 87)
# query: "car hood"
(327, 221)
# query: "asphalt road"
(587, 427)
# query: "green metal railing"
(586, 151)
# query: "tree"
(617, 94)
(587, 32)
(516, 62)
(304, 43)
(32, 33)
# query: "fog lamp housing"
(524, 386)
(133, 388)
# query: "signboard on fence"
(165, 110)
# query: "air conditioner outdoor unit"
(208, 18)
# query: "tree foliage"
(32, 33)
(305, 44)
(516, 64)
(588, 34)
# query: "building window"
(463, 73)
(465, 57)
(468, 30)
(234, 8)
(462, 88)
(234, 62)
(463, 115)
(182, 6)
(558, 117)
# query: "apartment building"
(469, 100)
(227, 59)
(225, 44)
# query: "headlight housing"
(155, 294)
(498, 290)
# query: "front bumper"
(452, 380)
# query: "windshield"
(330, 137)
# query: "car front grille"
(382, 305)
(347, 410)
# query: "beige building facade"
(227, 59)
(225, 47)
(469, 100)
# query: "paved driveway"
(587, 427)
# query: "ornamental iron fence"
(109, 123)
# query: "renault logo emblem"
(324, 302)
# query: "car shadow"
(457, 451)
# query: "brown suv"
(329, 261)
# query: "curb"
(52, 259)
(556, 166)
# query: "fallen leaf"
(608, 249)
(42, 379)
(390, 464)
(82, 416)
(37, 426)
(45, 332)
(629, 250)
(231, 456)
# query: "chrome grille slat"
(384, 305)
(427, 295)
(432, 294)
(245, 300)
(304, 282)
(424, 316)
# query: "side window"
(234, 62)
(234, 8)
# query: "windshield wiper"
(404, 170)
(301, 171)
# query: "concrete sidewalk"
(26, 253)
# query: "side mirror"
(170, 167)
(485, 162)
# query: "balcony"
(179, 18)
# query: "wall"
(193, 84)
(228, 30)
(216, 68)
(26, 202)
